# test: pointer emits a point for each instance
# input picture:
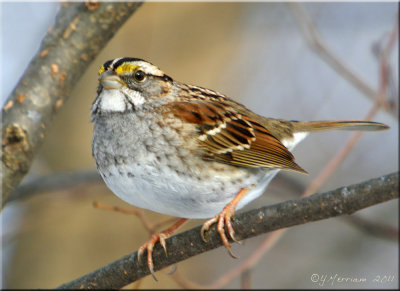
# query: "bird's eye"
(140, 75)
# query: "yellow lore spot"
(125, 68)
(101, 70)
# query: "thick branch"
(81, 30)
(345, 200)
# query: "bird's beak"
(109, 80)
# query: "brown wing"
(233, 138)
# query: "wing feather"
(228, 136)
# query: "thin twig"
(245, 280)
(185, 283)
(332, 165)
(380, 99)
(52, 182)
(165, 221)
(151, 228)
(374, 228)
(138, 213)
(386, 70)
(317, 44)
(251, 261)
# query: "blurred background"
(257, 54)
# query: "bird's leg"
(224, 218)
(161, 237)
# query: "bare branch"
(316, 42)
(150, 227)
(374, 228)
(54, 181)
(345, 200)
(250, 261)
(80, 31)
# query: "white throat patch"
(119, 100)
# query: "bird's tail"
(310, 126)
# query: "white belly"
(163, 191)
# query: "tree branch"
(54, 181)
(81, 30)
(344, 200)
(316, 42)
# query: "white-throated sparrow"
(188, 151)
